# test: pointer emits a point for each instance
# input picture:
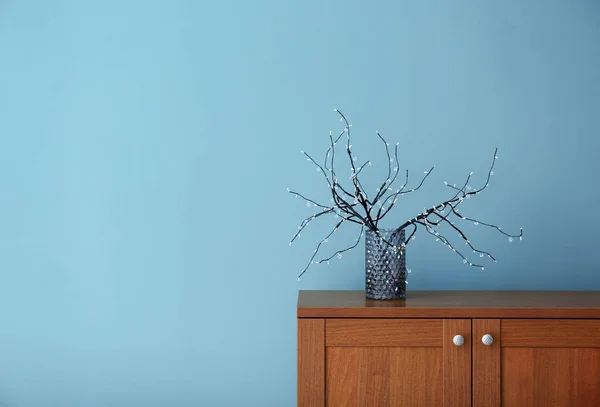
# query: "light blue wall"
(146, 148)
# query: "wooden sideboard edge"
(583, 304)
(538, 313)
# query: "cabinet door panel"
(550, 363)
(384, 363)
(557, 377)
(384, 376)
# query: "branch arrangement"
(353, 204)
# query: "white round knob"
(487, 339)
(458, 340)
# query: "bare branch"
(467, 241)
(498, 228)
(358, 190)
(446, 242)
(306, 221)
(297, 194)
(339, 252)
(339, 201)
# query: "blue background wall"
(146, 148)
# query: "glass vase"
(385, 264)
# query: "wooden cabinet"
(449, 348)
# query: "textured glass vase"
(385, 272)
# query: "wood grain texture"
(557, 377)
(384, 376)
(554, 333)
(383, 332)
(486, 364)
(451, 304)
(311, 363)
(343, 380)
(457, 364)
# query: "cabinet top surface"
(451, 304)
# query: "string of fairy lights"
(352, 205)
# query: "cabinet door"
(541, 362)
(397, 362)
